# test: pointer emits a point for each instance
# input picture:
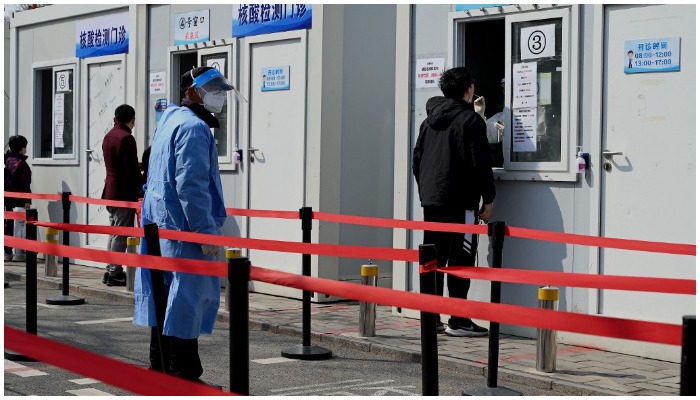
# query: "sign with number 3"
(537, 42)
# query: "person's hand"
(27, 205)
(210, 250)
(485, 214)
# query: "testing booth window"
(54, 113)
(538, 75)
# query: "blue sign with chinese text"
(102, 36)
(258, 19)
(652, 55)
(275, 78)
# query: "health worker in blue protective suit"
(183, 193)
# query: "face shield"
(212, 86)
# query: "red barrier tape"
(17, 216)
(428, 267)
(401, 223)
(110, 203)
(597, 241)
(516, 315)
(375, 253)
(129, 377)
(37, 196)
(244, 212)
(654, 332)
(614, 282)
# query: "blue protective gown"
(183, 193)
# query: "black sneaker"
(105, 277)
(118, 280)
(469, 329)
(440, 327)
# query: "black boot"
(154, 352)
(184, 358)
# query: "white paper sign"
(63, 81)
(275, 78)
(157, 83)
(192, 27)
(537, 42)
(525, 130)
(218, 63)
(544, 88)
(428, 72)
(525, 85)
(59, 116)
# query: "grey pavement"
(580, 370)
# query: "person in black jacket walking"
(452, 167)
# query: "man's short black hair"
(454, 82)
(124, 113)
(17, 143)
(630, 52)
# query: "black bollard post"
(688, 357)
(427, 256)
(150, 232)
(65, 299)
(239, 344)
(31, 291)
(497, 230)
(306, 351)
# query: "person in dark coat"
(452, 167)
(123, 182)
(18, 178)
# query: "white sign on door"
(63, 81)
(275, 78)
(157, 84)
(428, 72)
(525, 130)
(191, 27)
(217, 63)
(537, 42)
(59, 116)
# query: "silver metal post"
(132, 246)
(368, 311)
(50, 265)
(230, 253)
(548, 297)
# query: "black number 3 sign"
(537, 42)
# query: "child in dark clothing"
(18, 178)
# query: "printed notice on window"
(525, 130)
(59, 117)
(525, 85)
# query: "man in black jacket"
(452, 167)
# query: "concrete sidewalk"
(580, 370)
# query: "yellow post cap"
(52, 241)
(369, 270)
(233, 253)
(548, 293)
(51, 231)
(133, 241)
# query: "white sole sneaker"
(459, 332)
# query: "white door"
(649, 191)
(105, 92)
(275, 154)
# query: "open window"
(54, 113)
(218, 57)
(524, 62)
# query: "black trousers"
(457, 249)
(181, 356)
(9, 229)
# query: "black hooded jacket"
(451, 160)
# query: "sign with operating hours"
(652, 55)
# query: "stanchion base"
(7, 285)
(487, 391)
(65, 300)
(301, 352)
(13, 356)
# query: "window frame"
(564, 170)
(226, 162)
(73, 158)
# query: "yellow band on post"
(133, 241)
(369, 270)
(51, 231)
(548, 293)
(52, 241)
(233, 253)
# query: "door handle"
(251, 150)
(89, 151)
(609, 154)
(251, 154)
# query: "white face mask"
(214, 101)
